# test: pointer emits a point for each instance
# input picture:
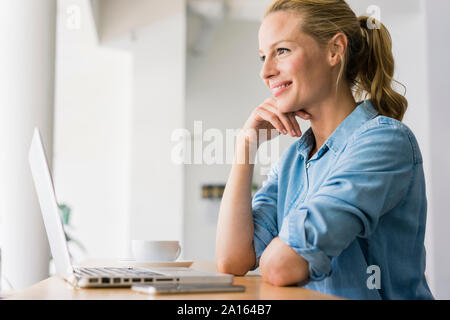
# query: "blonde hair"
(368, 65)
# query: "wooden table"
(54, 288)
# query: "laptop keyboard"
(114, 272)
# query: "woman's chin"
(286, 107)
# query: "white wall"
(114, 17)
(27, 64)
(158, 109)
(438, 51)
(91, 150)
(117, 104)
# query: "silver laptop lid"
(49, 207)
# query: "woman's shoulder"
(387, 134)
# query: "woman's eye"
(282, 50)
(279, 51)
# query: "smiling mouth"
(284, 85)
(280, 89)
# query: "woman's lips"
(279, 91)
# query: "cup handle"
(178, 252)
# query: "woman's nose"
(269, 69)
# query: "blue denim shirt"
(356, 211)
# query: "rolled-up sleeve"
(371, 176)
(264, 210)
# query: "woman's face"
(294, 67)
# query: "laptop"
(98, 276)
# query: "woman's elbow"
(232, 266)
(280, 276)
(279, 279)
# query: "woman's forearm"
(234, 241)
(235, 251)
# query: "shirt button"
(307, 165)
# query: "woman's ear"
(337, 47)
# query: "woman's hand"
(266, 122)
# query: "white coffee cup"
(154, 250)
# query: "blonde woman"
(344, 209)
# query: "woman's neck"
(328, 115)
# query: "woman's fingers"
(295, 131)
(271, 118)
(304, 115)
(295, 124)
(285, 119)
(285, 123)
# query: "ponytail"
(376, 71)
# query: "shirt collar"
(362, 113)
(306, 143)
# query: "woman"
(344, 209)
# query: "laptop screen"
(49, 207)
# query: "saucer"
(134, 263)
